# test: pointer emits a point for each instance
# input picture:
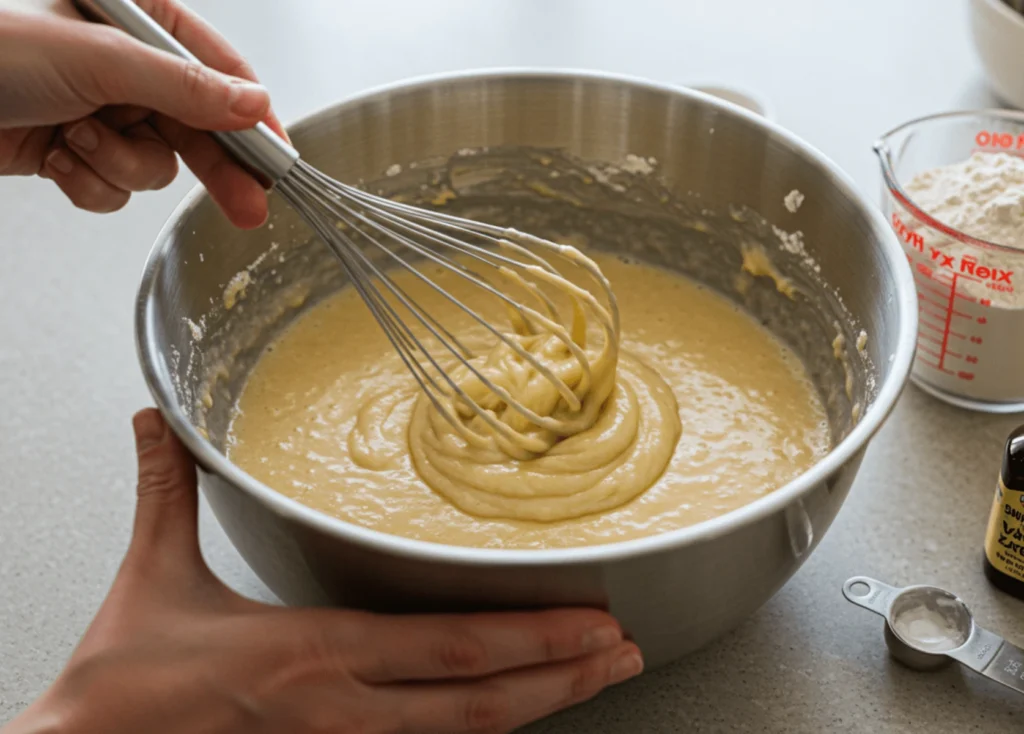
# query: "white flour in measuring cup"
(982, 196)
(972, 299)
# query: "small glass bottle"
(1004, 539)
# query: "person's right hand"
(102, 115)
(174, 650)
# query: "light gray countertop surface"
(837, 74)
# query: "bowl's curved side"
(674, 591)
(670, 602)
(998, 32)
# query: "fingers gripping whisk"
(546, 362)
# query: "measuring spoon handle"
(993, 657)
(871, 594)
(1007, 667)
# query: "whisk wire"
(564, 390)
(400, 335)
(354, 224)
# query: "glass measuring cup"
(927, 627)
(970, 348)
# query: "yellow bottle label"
(1004, 542)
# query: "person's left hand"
(174, 650)
(101, 114)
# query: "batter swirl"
(589, 435)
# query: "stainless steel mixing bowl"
(717, 168)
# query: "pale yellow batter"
(704, 413)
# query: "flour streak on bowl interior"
(621, 166)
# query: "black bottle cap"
(1013, 461)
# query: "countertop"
(837, 74)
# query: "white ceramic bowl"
(742, 97)
(998, 32)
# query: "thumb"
(166, 514)
(123, 71)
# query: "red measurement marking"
(941, 293)
(940, 265)
(929, 351)
(946, 278)
(924, 279)
(993, 139)
(963, 297)
(925, 299)
(912, 238)
(957, 334)
(952, 354)
(933, 327)
(969, 266)
(940, 317)
(963, 315)
(935, 367)
(931, 339)
(949, 319)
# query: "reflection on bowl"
(709, 194)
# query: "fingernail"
(248, 99)
(628, 665)
(150, 429)
(601, 639)
(60, 161)
(83, 135)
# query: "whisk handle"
(258, 148)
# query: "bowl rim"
(1001, 8)
(212, 461)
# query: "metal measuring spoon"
(927, 627)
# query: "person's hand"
(101, 114)
(174, 650)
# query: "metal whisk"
(357, 226)
(480, 254)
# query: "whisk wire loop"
(368, 234)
